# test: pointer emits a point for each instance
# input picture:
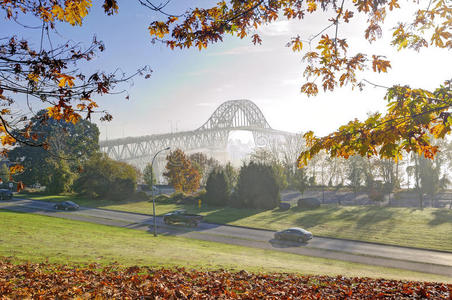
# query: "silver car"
(294, 234)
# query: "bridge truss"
(212, 135)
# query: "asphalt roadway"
(427, 261)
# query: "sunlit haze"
(186, 86)
(202, 185)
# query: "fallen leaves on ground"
(44, 280)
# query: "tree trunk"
(418, 184)
(421, 199)
(397, 175)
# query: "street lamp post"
(152, 188)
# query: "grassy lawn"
(428, 228)
(27, 237)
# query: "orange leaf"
(66, 80)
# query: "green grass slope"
(27, 237)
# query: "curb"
(341, 239)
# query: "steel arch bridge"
(212, 135)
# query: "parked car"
(180, 216)
(284, 206)
(66, 205)
(5, 194)
(294, 234)
(308, 203)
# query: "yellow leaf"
(297, 45)
(58, 12)
(312, 6)
(34, 77)
(54, 112)
(159, 29)
(393, 4)
(172, 19)
(66, 79)
(439, 131)
(7, 139)
(46, 15)
(73, 12)
(16, 169)
(73, 118)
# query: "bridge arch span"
(236, 114)
(213, 134)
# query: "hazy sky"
(187, 85)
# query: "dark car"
(5, 194)
(181, 216)
(294, 234)
(66, 205)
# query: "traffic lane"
(83, 214)
(354, 247)
(401, 253)
(294, 248)
(85, 211)
(63, 215)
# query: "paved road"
(435, 262)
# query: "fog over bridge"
(211, 137)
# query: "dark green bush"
(162, 198)
(257, 187)
(105, 178)
(142, 196)
(178, 196)
(182, 198)
(217, 188)
(191, 200)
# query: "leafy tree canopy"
(181, 174)
(412, 113)
(57, 175)
(67, 141)
(4, 173)
(106, 178)
(264, 156)
(204, 164)
(46, 73)
(149, 175)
